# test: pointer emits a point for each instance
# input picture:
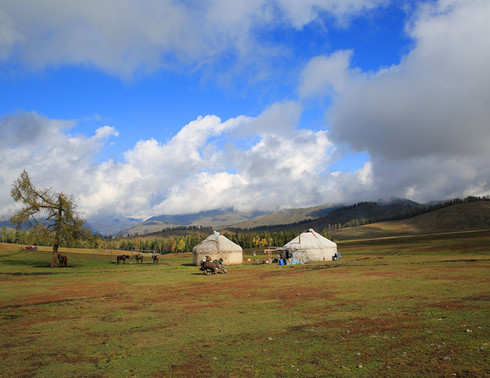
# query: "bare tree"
(50, 214)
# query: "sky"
(149, 107)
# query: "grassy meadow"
(401, 306)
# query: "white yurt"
(309, 247)
(217, 246)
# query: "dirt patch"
(196, 365)
(383, 274)
(450, 306)
(479, 298)
(336, 271)
(453, 278)
(465, 260)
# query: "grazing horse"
(155, 259)
(63, 260)
(122, 258)
(138, 257)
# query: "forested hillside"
(458, 217)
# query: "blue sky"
(165, 107)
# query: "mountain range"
(317, 217)
(333, 218)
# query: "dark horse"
(215, 266)
(155, 259)
(63, 260)
(139, 257)
(122, 258)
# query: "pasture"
(403, 306)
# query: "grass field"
(404, 306)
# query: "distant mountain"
(6, 223)
(459, 217)
(112, 225)
(288, 216)
(318, 217)
(365, 212)
(212, 218)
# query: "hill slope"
(287, 216)
(461, 217)
(360, 213)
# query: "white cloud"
(194, 171)
(8, 36)
(53, 157)
(300, 13)
(105, 132)
(124, 37)
(278, 118)
(326, 75)
(203, 191)
(434, 101)
(424, 121)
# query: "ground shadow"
(35, 264)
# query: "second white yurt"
(218, 246)
(309, 247)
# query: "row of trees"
(35, 237)
(161, 245)
(178, 244)
(261, 239)
(21, 236)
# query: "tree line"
(178, 244)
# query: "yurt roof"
(309, 240)
(217, 243)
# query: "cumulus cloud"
(424, 121)
(277, 171)
(193, 171)
(124, 37)
(45, 148)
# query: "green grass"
(406, 306)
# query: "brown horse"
(138, 257)
(63, 260)
(155, 259)
(122, 258)
(215, 266)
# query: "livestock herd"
(207, 266)
(138, 257)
